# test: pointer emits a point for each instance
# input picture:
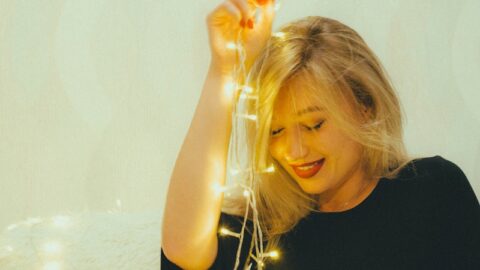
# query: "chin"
(312, 189)
(313, 192)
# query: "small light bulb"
(218, 188)
(277, 6)
(270, 169)
(279, 34)
(245, 96)
(246, 193)
(247, 89)
(224, 231)
(258, 15)
(231, 46)
(230, 88)
(234, 171)
(248, 116)
(273, 254)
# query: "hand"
(224, 24)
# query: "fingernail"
(250, 23)
(242, 23)
(262, 2)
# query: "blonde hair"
(336, 65)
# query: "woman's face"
(302, 133)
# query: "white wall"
(97, 95)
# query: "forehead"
(296, 100)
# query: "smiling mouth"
(309, 170)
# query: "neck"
(348, 195)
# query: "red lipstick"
(308, 170)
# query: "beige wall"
(96, 95)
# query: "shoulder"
(442, 179)
(424, 167)
(456, 211)
(436, 168)
(439, 166)
(443, 170)
(432, 180)
(452, 181)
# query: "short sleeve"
(460, 220)
(227, 245)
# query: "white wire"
(257, 237)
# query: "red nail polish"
(262, 2)
(250, 23)
(242, 23)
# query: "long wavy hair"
(336, 65)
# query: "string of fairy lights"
(241, 173)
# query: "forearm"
(193, 207)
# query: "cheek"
(274, 150)
(347, 148)
(335, 142)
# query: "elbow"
(186, 250)
(187, 259)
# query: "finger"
(266, 4)
(244, 8)
(267, 11)
(226, 8)
(263, 2)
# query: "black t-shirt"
(424, 220)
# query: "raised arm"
(193, 208)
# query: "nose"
(295, 147)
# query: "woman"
(344, 193)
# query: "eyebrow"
(309, 110)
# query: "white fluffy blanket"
(86, 241)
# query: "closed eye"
(275, 132)
(317, 126)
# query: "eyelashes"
(275, 132)
(315, 127)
